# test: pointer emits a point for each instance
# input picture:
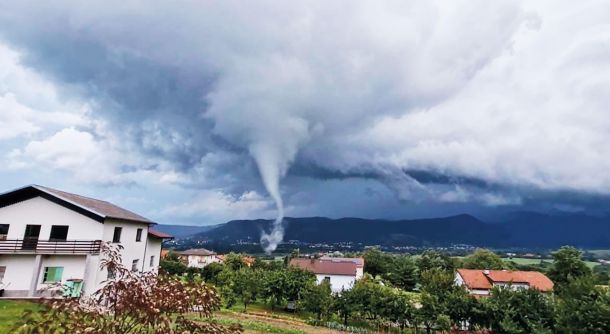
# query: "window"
(59, 233)
(134, 265)
(327, 279)
(52, 274)
(139, 235)
(152, 261)
(3, 231)
(2, 271)
(116, 237)
(111, 274)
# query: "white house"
(199, 257)
(480, 282)
(50, 236)
(341, 273)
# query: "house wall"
(18, 275)
(153, 248)
(200, 261)
(132, 250)
(20, 269)
(338, 282)
(40, 211)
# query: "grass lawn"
(528, 261)
(10, 312)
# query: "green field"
(529, 261)
(10, 313)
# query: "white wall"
(200, 261)
(153, 248)
(39, 211)
(132, 250)
(338, 282)
(74, 267)
(19, 271)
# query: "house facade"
(199, 257)
(481, 282)
(49, 236)
(341, 273)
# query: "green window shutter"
(53, 274)
(58, 273)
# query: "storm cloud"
(345, 108)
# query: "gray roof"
(197, 251)
(92, 207)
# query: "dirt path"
(276, 322)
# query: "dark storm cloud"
(445, 106)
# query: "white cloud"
(219, 207)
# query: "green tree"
(483, 259)
(567, 266)
(234, 261)
(210, 272)
(345, 305)
(274, 287)
(520, 310)
(318, 299)
(399, 308)
(172, 267)
(376, 262)
(583, 308)
(431, 259)
(247, 285)
(403, 273)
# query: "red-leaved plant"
(130, 303)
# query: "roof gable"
(93, 208)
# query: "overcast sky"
(197, 112)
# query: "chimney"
(486, 272)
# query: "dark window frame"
(152, 261)
(61, 237)
(6, 228)
(134, 265)
(2, 273)
(139, 234)
(116, 234)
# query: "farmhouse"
(48, 236)
(199, 257)
(480, 282)
(341, 273)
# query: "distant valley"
(523, 229)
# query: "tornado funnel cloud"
(271, 168)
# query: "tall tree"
(567, 266)
(483, 259)
(318, 299)
(431, 259)
(583, 308)
(403, 273)
(376, 262)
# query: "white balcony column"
(35, 275)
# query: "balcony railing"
(34, 246)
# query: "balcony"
(65, 247)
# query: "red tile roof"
(478, 279)
(357, 260)
(475, 279)
(318, 266)
(159, 234)
(103, 208)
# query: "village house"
(49, 236)
(341, 273)
(480, 282)
(199, 257)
